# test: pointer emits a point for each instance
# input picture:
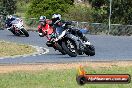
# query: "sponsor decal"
(83, 78)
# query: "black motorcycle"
(73, 45)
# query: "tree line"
(94, 11)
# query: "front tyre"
(70, 48)
(25, 32)
(59, 48)
(89, 50)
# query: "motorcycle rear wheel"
(89, 50)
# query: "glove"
(45, 33)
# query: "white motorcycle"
(17, 28)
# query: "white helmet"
(9, 16)
(42, 18)
(56, 16)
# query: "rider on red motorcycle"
(43, 28)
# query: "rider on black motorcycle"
(57, 25)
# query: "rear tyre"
(90, 50)
(25, 32)
(70, 48)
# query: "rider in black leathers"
(8, 21)
(57, 25)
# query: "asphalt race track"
(108, 48)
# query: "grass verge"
(59, 78)
(12, 49)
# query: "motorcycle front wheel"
(70, 47)
(25, 32)
(59, 48)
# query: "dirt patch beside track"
(54, 66)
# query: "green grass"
(59, 78)
(11, 49)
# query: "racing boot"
(49, 44)
(41, 33)
(85, 40)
